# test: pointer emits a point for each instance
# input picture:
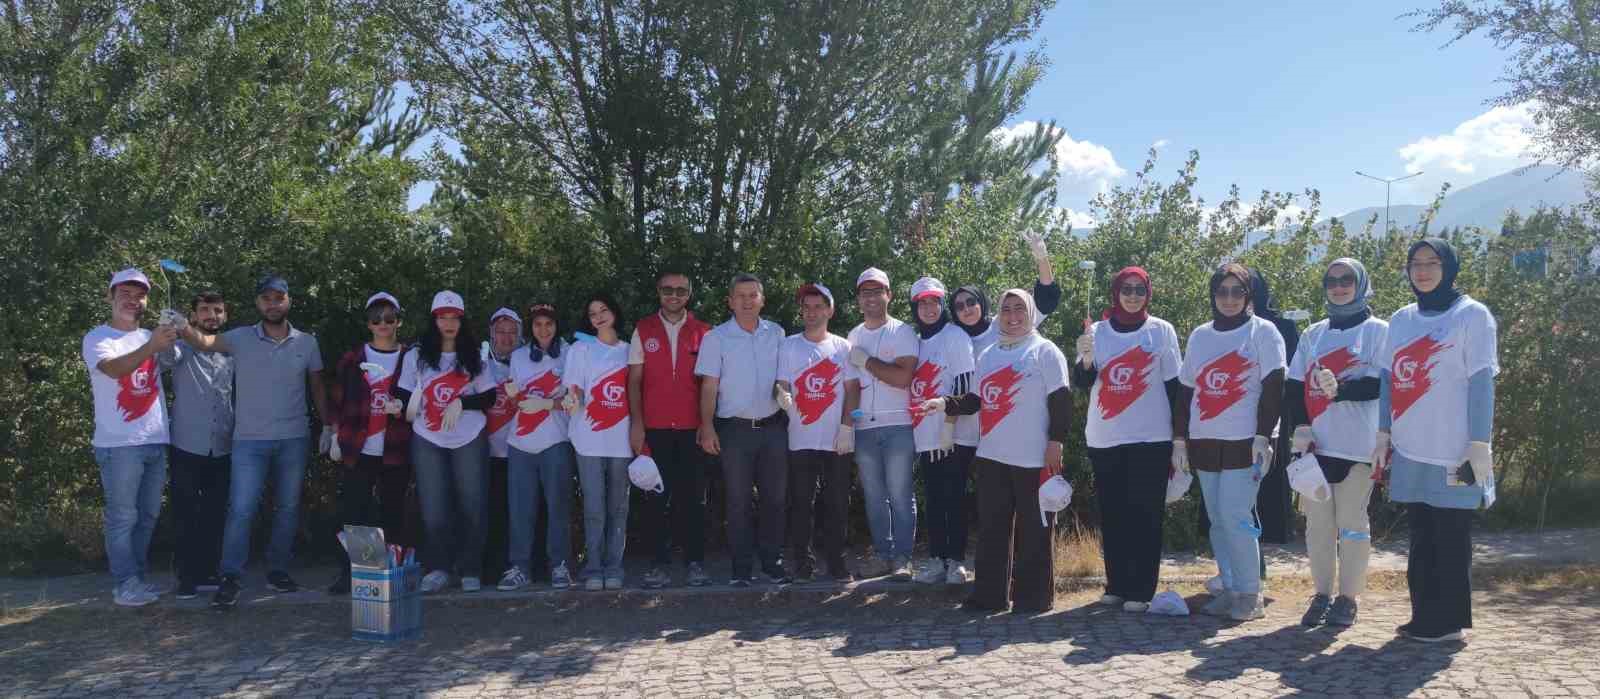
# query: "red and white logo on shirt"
(652, 345)
(815, 390)
(1222, 383)
(924, 386)
(137, 391)
(608, 401)
(1338, 361)
(378, 390)
(500, 413)
(1123, 380)
(543, 386)
(1412, 373)
(998, 391)
(440, 392)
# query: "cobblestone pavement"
(764, 643)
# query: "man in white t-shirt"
(883, 360)
(813, 390)
(130, 430)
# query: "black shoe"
(739, 581)
(776, 575)
(227, 593)
(340, 586)
(279, 581)
(187, 590)
(806, 574)
(1343, 612)
(208, 583)
(1317, 613)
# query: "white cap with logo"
(131, 274)
(873, 274)
(927, 286)
(504, 312)
(383, 296)
(814, 288)
(448, 301)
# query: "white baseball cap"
(1054, 496)
(448, 301)
(814, 288)
(644, 474)
(873, 274)
(131, 274)
(504, 312)
(927, 286)
(383, 296)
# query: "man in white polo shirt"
(741, 422)
(130, 430)
(883, 360)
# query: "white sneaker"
(1247, 606)
(956, 573)
(1131, 606)
(1214, 585)
(512, 581)
(595, 583)
(901, 571)
(155, 589)
(435, 582)
(1109, 600)
(933, 572)
(132, 593)
(471, 584)
(560, 578)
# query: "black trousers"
(755, 458)
(374, 494)
(1439, 568)
(1274, 500)
(946, 514)
(199, 492)
(1130, 483)
(1015, 557)
(497, 539)
(806, 466)
(678, 513)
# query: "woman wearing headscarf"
(944, 370)
(1024, 413)
(1128, 363)
(1332, 400)
(1273, 503)
(1436, 410)
(1234, 368)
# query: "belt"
(775, 419)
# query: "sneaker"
(656, 579)
(807, 573)
(132, 593)
(1317, 613)
(739, 580)
(1214, 585)
(513, 580)
(435, 581)
(279, 581)
(1221, 604)
(595, 583)
(1138, 607)
(1343, 612)
(956, 574)
(1427, 637)
(187, 590)
(208, 584)
(1247, 606)
(776, 575)
(932, 573)
(614, 582)
(340, 586)
(560, 578)
(227, 595)
(155, 589)
(902, 569)
(471, 583)
(697, 575)
(1109, 600)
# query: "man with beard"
(271, 438)
(202, 439)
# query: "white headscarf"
(1033, 316)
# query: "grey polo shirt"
(745, 365)
(202, 405)
(270, 383)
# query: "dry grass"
(1078, 553)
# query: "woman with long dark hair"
(596, 378)
(446, 389)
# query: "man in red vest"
(664, 411)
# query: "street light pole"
(1387, 183)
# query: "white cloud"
(1078, 219)
(1159, 144)
(1483, 146)
(1086, 167)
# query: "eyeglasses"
(1236, 292)
(674, 291)
(385, 319)
(1135, 290)
(1348, 280)
(964, 305)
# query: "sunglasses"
(385, 319)
(674, 291)
(1235, 292)
(1348, 280)
(1135, 290)
(964, 305)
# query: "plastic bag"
(1168, 603)
(1307, 479)
(1178, 485)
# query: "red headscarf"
(1116, 312)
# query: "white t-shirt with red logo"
(439, 386)
(532, 433)
(882, 405)
(497, 419)
(378, 390)
(1128, 403)
(815, 371)
(132, 410)
(940, 359)
(600, 372)
(1431, 361)
(1012, 384)
(1341, 429)
(1226, 369)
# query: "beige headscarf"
(1007, 340)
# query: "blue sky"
(1280, 96)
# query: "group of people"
(956, 392)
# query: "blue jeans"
(254, 460)
(453, 485)
(1230, 498)
(132, 478)
(885, 456)
(604, 480)
(546, 475)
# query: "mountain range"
(1486, 203)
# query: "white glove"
(334, 452)
(1261, 454)
(511, 389)
(414, 405)
(947, 436)
(572, 402)
(858, 357)
(844, 441)
(1380, 456)
(1086, 348)
(324, 441)
(1481, 456)
(1327, 382)
(1180, 455)
(1302, 439)
(534, 404)
(784, 397)
(392, 406)
(452, 413)
(1036, 246)
(177, 321)
(931, 406)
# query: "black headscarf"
(1261, 296)
(979, 327)
(1222, 322)
(1446, 292)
